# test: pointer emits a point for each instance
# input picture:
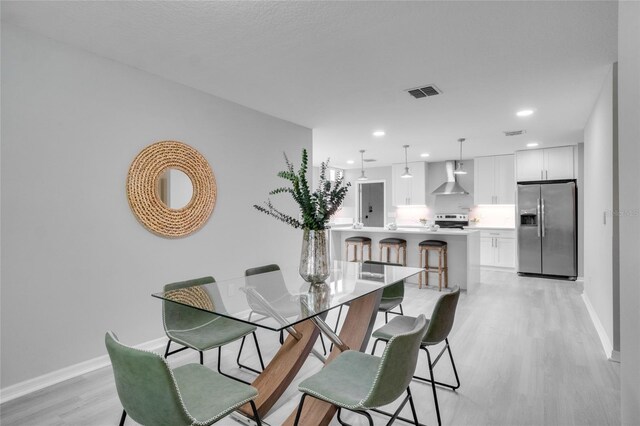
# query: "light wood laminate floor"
(526, 351)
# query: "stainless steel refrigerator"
(547, 229)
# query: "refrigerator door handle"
(539, 215)
(543, 224)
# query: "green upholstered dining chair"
(151, 393)
(440, 325)
(199, 330)
(392, 297)
(359, 382)
(276, 293)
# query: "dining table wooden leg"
(355, 333)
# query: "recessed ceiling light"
(532, 144)
(424, 154)
(379, 133)
(524, 113)
(350, 161)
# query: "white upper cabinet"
(494, 180)
(559, 163)
(545, 164)
(530, 165)
(409, 191)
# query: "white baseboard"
(28, 386)
(604, 339)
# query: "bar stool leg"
(420, 261)
(426, 266)
(446, 269)
(369, 246)
(440, 270)
(404, 255)
(398, 254)
(381, 259)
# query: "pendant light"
(459, 170)
(406, 173)
(362, 176)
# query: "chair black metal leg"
(375, 344)
(433, 386)
(225, 374)
(401, 311)
(398, 410)
(453, 364)
(201, 357)
(167, 352)
(255, 340)
(340, 419)
(413, 407)
(386, 317)
(324, 348)
(256, 416)
(455, 371)
(124, 416)
(397, 416)
(281, 337)
(367, 415)
(295, 423)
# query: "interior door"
(559, 229)
(372, 204)
(529, 234)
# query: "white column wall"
(598, 209)
(629, 173)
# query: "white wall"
(629, 173)
(75, 261)
(580, 183)
(598, 204)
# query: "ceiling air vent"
(514, 132)
(369, 160)
(423, 92)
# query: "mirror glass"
(175, 189)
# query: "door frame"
(384, 199)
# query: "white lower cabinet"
(498, 248)
(506, 252)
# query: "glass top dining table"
(267, 300)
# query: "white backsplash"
(498, 215)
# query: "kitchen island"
(463, 250)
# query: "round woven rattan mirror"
(143, 194)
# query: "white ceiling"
(341, 68)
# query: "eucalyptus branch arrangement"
(315, 207)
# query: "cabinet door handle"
(541, 175)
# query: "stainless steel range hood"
(450, 187)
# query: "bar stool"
(358, 242)
(441, 247)
(396, 244)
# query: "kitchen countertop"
(407, 230)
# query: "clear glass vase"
(314, 257)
